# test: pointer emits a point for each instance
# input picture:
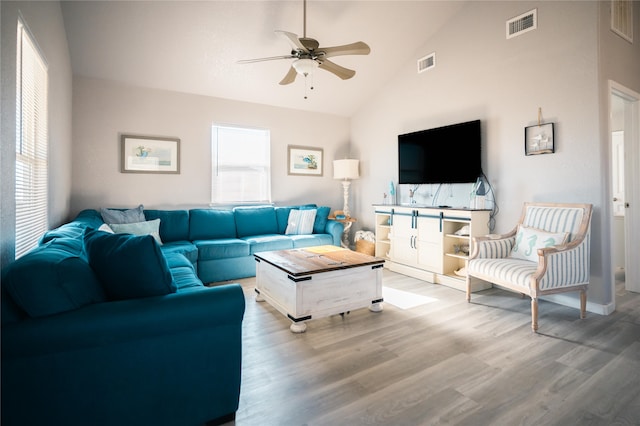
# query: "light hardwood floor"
(443, 362)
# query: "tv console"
(430, 243)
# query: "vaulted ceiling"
(194, 46)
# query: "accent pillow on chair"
(128, 266)
(529, 240)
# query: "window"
(31, 143)
(241, 162)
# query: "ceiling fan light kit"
(309, 55)
(305, 66)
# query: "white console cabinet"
(429, 243)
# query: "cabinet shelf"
(461, 237)
(457, 256)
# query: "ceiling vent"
(427, 62)
(622, 19)
(522, 24)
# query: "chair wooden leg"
(534, 314)
(468, 290)
(583, 303)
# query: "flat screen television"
(448, 154)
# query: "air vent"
(522, 24)
(427, 62)
(622, 19)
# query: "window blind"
(31, 143)
(241, 160)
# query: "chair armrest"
(563, 265)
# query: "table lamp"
(346, 169)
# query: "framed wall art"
(539, 139)
(304, 160)
(149, 154)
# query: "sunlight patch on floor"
(404, 299)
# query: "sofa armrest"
(334, 229)
(111, 323)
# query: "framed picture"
(304, 160)
(539, 139)
(149, 154)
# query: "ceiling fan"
(309, 55)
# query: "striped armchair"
(555, 268)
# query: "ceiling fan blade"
(271, 58)
(290, 77)
(342, 72)
(293, 39)
(357, 48)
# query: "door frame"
(632, 174)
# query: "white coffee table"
(315, 282)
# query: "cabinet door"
(430, 244)
(403, 240)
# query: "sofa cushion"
(210, 224)
(529, 240)
(68, 230)
(185, 248)
(301, 222)
(52, 278)
(311, 240)
(174, 224)
(128, 266)
(222, 248)
(182, 272)
(148, 227)
(269, 243)
(255, 221)
(123, 215)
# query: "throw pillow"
(322, 216)
(529, 240)
(301, 222)
(106, 228)
(123, 216)
(128, 266)
(149, 227)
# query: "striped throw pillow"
(301, 222)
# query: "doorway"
(624, 137)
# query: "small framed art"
(149, 154)
(304, 160)
(539, 139)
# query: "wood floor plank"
(442, 362)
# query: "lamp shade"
(346, 169)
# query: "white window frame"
(32, 140)
(235, 181)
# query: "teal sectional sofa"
(118, 329)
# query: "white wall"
(102, 110)
(480, 74)
(44, 19)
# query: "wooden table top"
(314, 260)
